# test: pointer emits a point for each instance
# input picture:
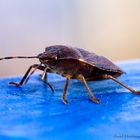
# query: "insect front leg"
(44, 76)
(114, 79)
(65, 91)
(81, 77)
(44, 79)
(25, 77)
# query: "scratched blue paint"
(33, 112)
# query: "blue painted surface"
(33, 112)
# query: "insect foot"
(65, 101)
(95, 100)
(136, 92)
(16, 84)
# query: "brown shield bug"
(73, 63)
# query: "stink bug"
(73, 63)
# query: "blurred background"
(106, 27)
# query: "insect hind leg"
(114, 79)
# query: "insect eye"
(54, 57)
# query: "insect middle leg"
(81, 77)
(25, 77)
(65, 91)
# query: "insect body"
(73, 63)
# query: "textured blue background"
(33, 112)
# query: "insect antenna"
(22, 57)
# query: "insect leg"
(114, 79)
(44, 75)
(81, 77)
(44, 79)
(65, 91)
(25, 79)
